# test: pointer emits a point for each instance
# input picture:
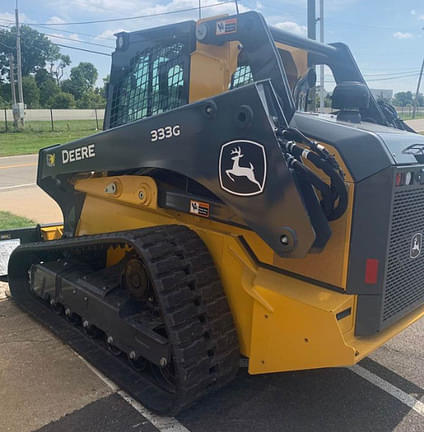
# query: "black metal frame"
(137, 42)
(205, 127)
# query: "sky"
(386, 37)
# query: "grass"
(38, 134)
(408, 116)
(10, 221)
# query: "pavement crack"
(24, 341)
(404, 354)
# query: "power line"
(7, 46)
(83, 49)
(70, 39)
(382, 79)
(63, 31)
(394, 78)
(134, 17)
(74, 32)
(391, 73)
(76, 40)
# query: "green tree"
(41, 76)
(3, 103)
(82, 79)
(37, 50)
(57, 67)
(91, 99)
(62, 100)
(403, 99)
(48, 89)
(31, 92)
(5, 93)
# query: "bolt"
(68, 312)
(163, 362)
(208, 109)
(284, 240)
(110, 340)
(85, 298)
(141, 195)
(85, 324)
(132, 355)
(74, 291)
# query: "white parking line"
(397, 393)
(164, 424)
(19, 156)
(16, 186)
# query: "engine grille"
(404, 288)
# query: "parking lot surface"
(45, 386)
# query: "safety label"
(6, 249)
(199, 208)
(226, 26)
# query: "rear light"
(371, 271)
(399, 179)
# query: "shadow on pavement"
(322, 400)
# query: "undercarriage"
(159, 311)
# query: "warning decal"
(226, 26)
(199, 208)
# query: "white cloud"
(401, 35)
(109, 34)
(99, 6)
(8, 18)
(413, 12)
(55, 20)
(57, 37)
(101, 9)
(292, 27)
(421, 17)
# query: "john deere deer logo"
(239, 171)
(416, 245)
(242, 168)
(51, 159)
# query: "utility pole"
(312, 34)
(321, 67)
(20, 105)
(312, 21)
(12, 85)
(414, 110)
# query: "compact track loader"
(214, 216)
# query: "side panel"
(207, 134)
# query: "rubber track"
(194, 308)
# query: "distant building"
(382, 94)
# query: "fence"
(92, 119)
(55, 119)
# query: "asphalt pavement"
(19, 193)
(45, 386)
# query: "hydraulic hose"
(334, 202)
